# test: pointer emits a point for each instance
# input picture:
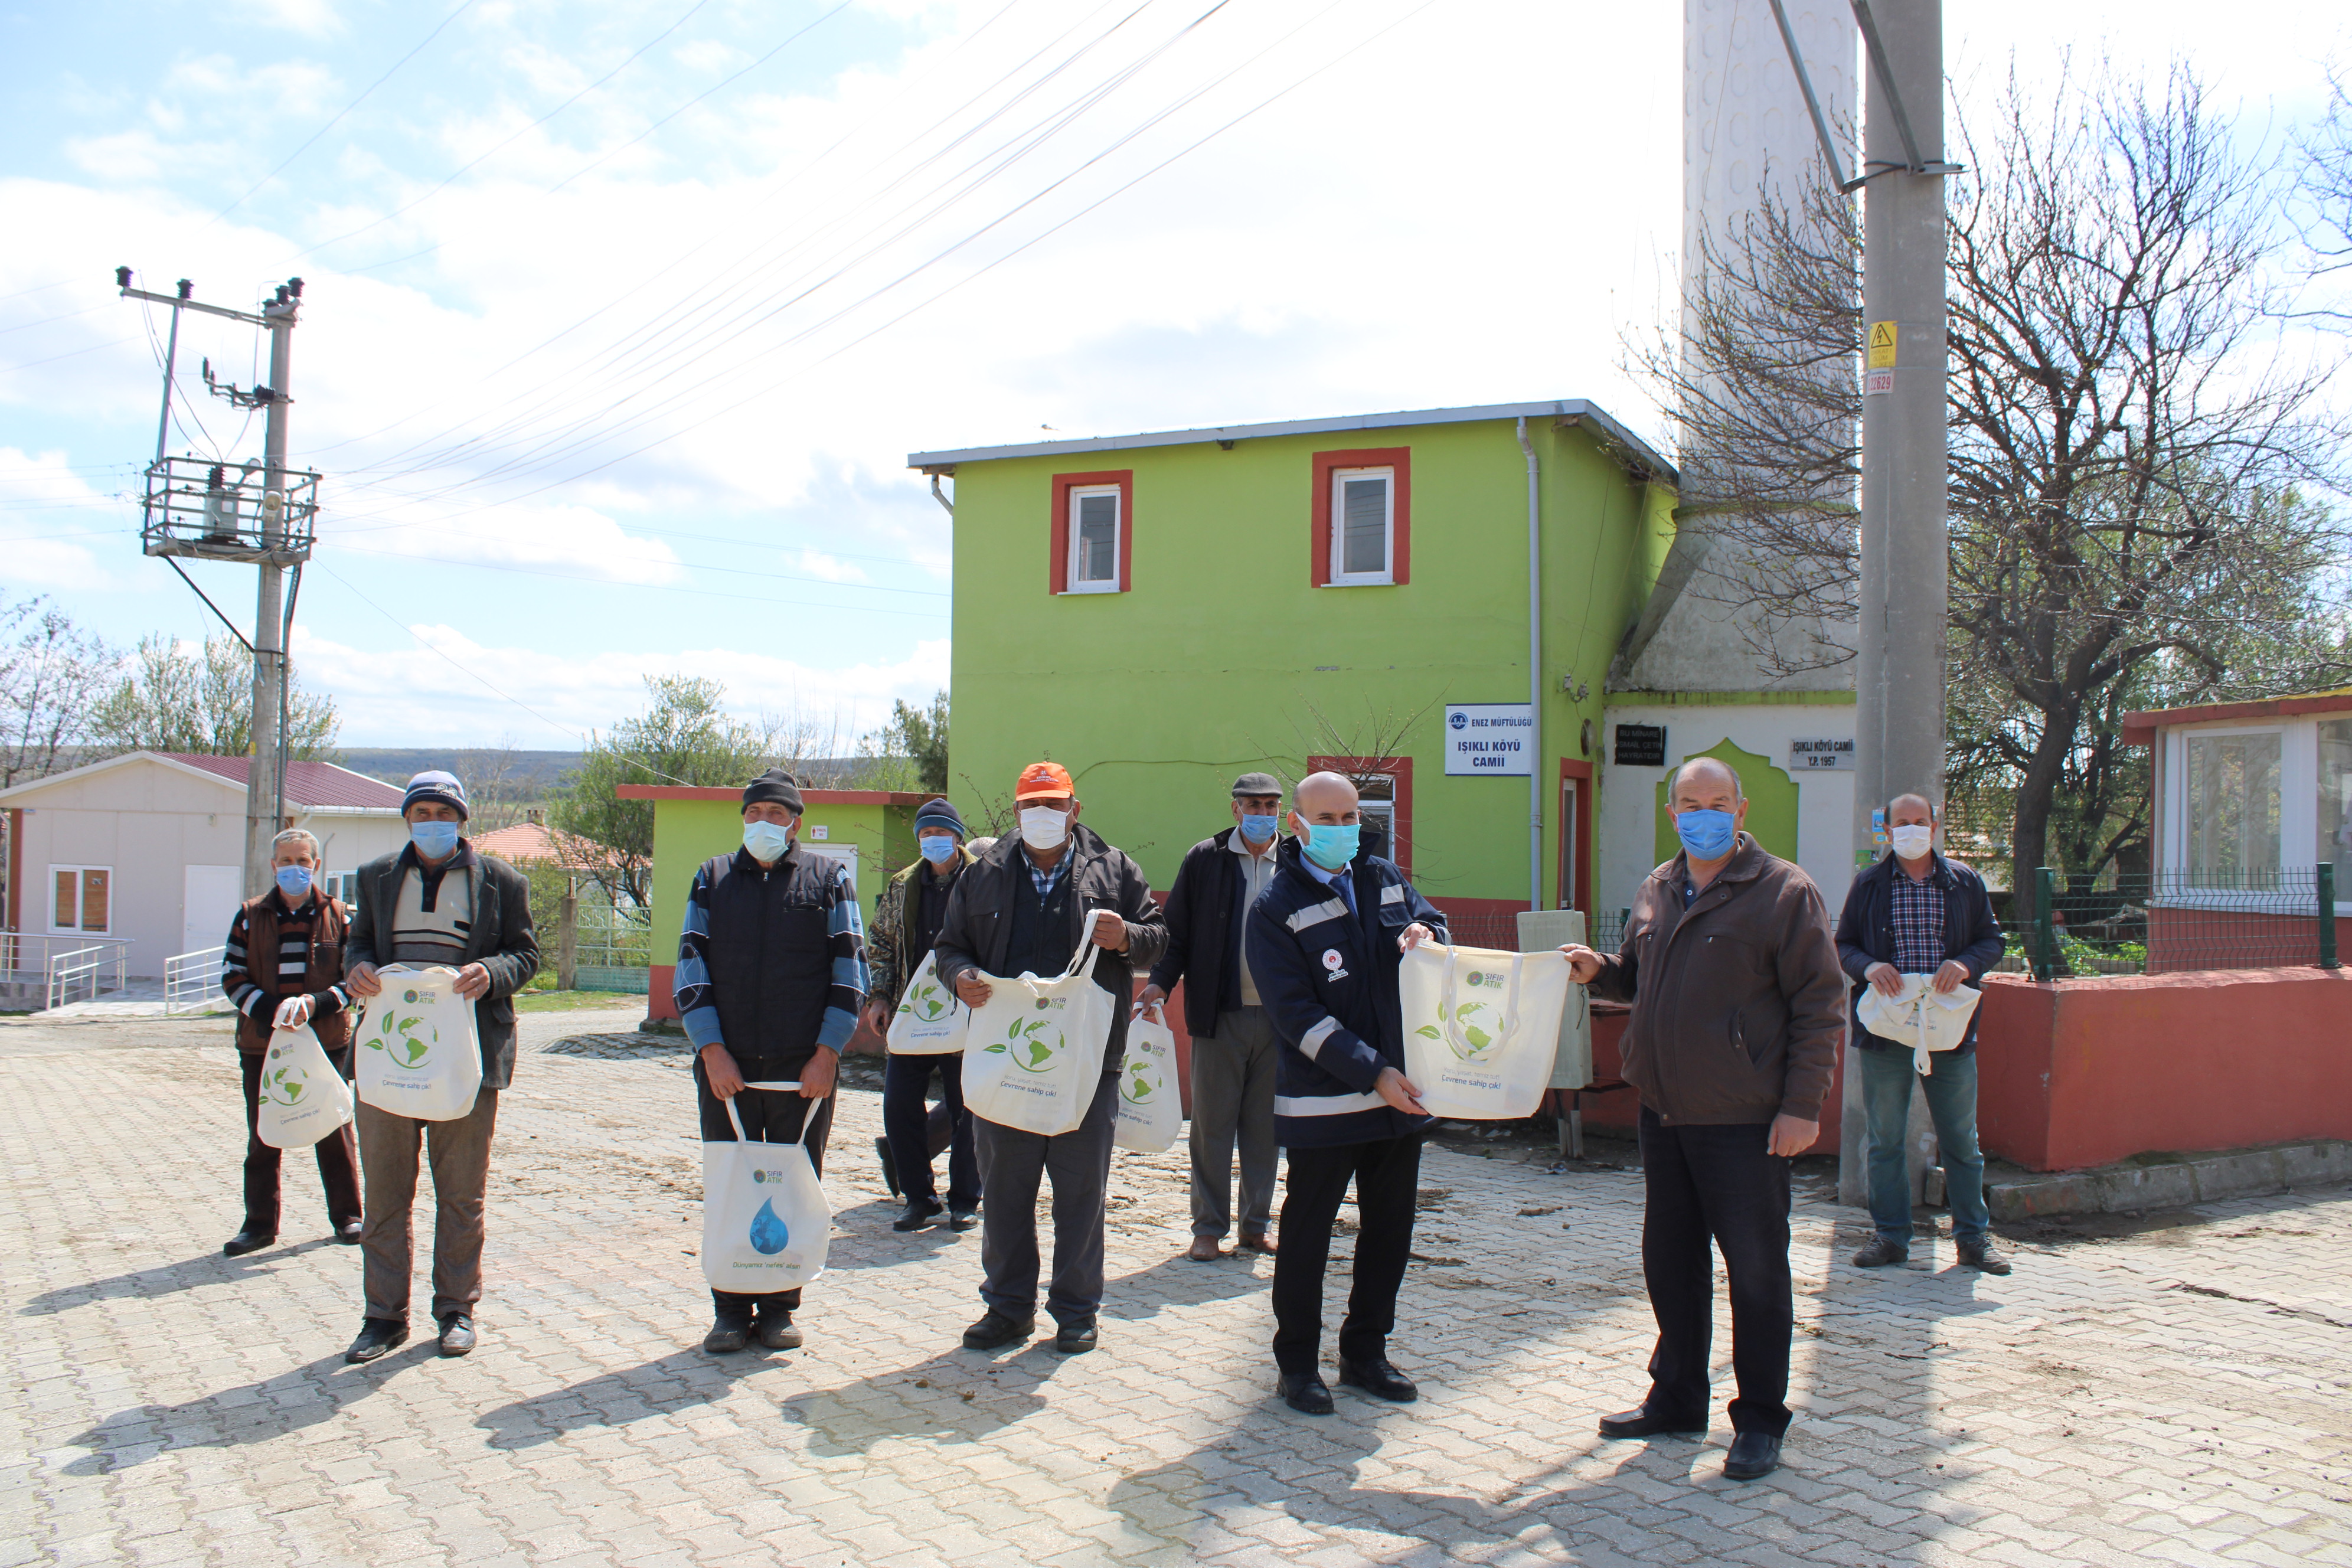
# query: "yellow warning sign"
(1882, 344)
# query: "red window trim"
(1400, 769)
(1058, 568)
(1579, 897)
(1401, 504)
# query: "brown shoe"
(1257, 1241)
(1204, 1249)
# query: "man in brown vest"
(284, 967)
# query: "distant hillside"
(530, 774)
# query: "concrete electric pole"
(194, 507)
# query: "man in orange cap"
(1026, 905)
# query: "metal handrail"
(192, 980)
(63, 974)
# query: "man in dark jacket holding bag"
(1026, 907)
(283, 968)
(771, 975)
(1739, 1013)
(437, 902)
(1325, 941)
(1916, 912)
(1233, 1045)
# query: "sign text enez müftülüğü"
(1493, 739)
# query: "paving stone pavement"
(2173, 1390)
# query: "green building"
(1159, 613)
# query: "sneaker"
(963, 1219)
(995, 1329)
(1982, 1255)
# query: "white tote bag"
(765, 1223)
(931, 1021)
(1034, 1052)
(1481, 1028)
(303, 1098)
(418, 1054)
(1917, 1018)
(1150, 1111)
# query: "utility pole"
(192, 507)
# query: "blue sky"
(621, 318)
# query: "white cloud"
(565, 539)
(310, 19)
(45, 508)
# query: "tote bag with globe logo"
(929, 1021)
(303, 1098)
(1150, 1111)
(765, 1223)
(1033, 1053)
(1481, 1028)
(418, 1054)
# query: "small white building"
(149, 847)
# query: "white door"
(845, 853)
(208, 904)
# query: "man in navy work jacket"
(1916, 912)
(771, 975)
(1325, 939)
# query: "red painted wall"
(2074, 1073)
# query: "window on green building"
(1364, 525)
(1093, 541)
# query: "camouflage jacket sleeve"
(883, 940)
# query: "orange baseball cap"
(1040, 781)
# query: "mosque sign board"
(1490, 739)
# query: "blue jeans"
(1951, 1091)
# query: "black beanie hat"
(777, 785)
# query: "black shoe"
(963, 1219)
(726, 1338)
(1880, 1254)
(456, 1334)
(1981, 1255)
(1379, 1379)
(1076, 1339)
(995, 1329)
(776, 1330)
(377, 1335)
(245, 1241)
(348, 1231)
(1305, 1394)
(920, 1213)
(1753, 1454)
(889, 1166)
(1641, 1424)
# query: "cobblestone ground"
(2177, 1390)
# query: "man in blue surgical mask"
(437, 902)
(1325, 944)
(1739, 1013)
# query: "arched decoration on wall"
(1771, 803)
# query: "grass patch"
(574, 1001)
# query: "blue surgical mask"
(1258, 829)
(433, 840)
(1706, 835)
(294, 882)
(1332, 847)
(766, 840)
(938, 848)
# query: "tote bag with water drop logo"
(303, 1098)
(1481, 1028)
(418, 1054)
(765, 1223)
(1150, 1113)
(1032, 1055)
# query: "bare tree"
(2133, 444)
(52, 674)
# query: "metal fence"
(615, 948)
(2174, 921)
(192, 981)
(43, 968)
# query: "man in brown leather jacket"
(284, 962)
(1739, 1013)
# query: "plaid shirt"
(1043, 881)
(1918, 913)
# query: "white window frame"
(1071, 581)
(50, 893)
(1339, 575)
(2298, 807)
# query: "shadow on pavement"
(959, 1396)
(679, 1381)
(254, 1413)
(1178, 1281)
(204, 1269)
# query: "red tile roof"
(307, 783)
(527, 842)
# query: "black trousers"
(915, 1130)
(1718, 1185)
(769, 1116)
(1387, 1173)
(339, 1154)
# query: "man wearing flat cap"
(437, 902)
(1233, 1045)
(1026, 907)
(771, 977)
